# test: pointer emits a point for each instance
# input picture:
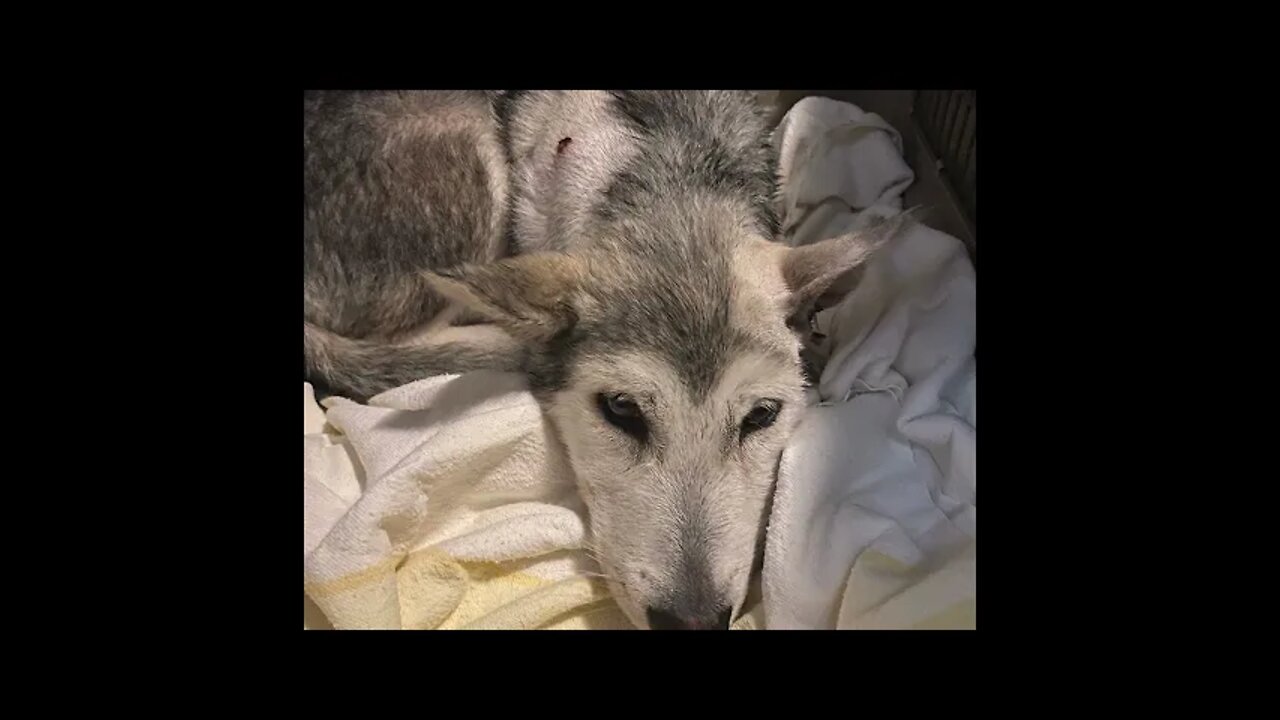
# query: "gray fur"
(395, 183)
(639, 225)
(683, 154)
(714, 142)
(362, 369)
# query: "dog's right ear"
(824, 272)
(528, 295)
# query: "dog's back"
(395, 183)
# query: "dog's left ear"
(824, 272)
(527, 295)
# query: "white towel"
(834, 161)
(440, 505)
(874, 520)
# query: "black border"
(1038, 567)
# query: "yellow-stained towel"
(438, 506)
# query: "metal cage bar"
(948, 119)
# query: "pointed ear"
(824, 272)
(528, 295)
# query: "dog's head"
(673, 377)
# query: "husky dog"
(617, 248)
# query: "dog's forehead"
(688, 334)
(698, 306)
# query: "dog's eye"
(623, 413)
(761, 416)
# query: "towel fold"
(834, 161)
(438, 505)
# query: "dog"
(619, 249)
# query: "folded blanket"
(834, 161)
(439, 506)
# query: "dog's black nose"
(665, 620)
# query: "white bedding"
(874, 522)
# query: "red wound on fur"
(562, 145)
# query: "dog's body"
(395, 184)
(640, 292)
